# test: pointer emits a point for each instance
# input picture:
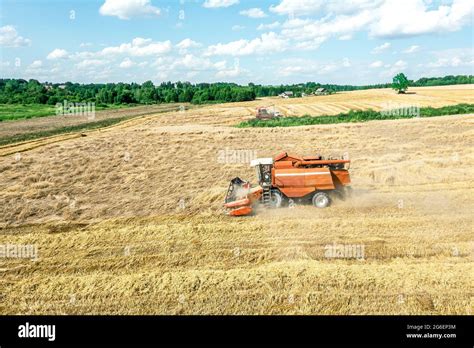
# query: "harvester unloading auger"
(288, 177)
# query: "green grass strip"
(13, 112)
(357, 116)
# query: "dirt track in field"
(129, 221)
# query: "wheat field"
(129, 220)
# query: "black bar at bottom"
(289, 330)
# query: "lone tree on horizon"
(400, 83)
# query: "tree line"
(442, 81)
(20, 91)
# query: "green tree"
(147, 93)
(400, 83)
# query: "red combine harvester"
(267, 113)
(285, 177)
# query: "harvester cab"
(288, 177)
(263, 168)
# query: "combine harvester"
(285, 177)
(266, 113)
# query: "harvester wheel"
(276, 199)
(321, 200)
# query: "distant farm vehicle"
(288, 177)
(267, 113)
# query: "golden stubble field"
(129, 221)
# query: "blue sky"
(265, 41)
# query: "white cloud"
(376, 64)
(126, 63)
(84, 55)
(267, 43)
(85, 44)
(391, 70)
(308, 30)
(413, 17)
(352, 6)
(453, 58)
(191, 74)
(9, 37)
(383, 47)
(312, 7)
(36, 64)
(412, 49)
(311, 44)
(380, 18)
(139, 47)
(234, 72)
(224, 72)
(290, 70)
(327, 68)
(345, 37)
(253, 13)
(4, 64)
(221, 65)
(189, 66)
(192, 62)
(126, 9)
(346, 63)
(453, 62)
(161, 62)
(57, 53)
(297, 7)
(219, 3)
(269, 26)
(400, 64)
(187, 43)
(304, 67)
(90, 63)
(296, 23)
